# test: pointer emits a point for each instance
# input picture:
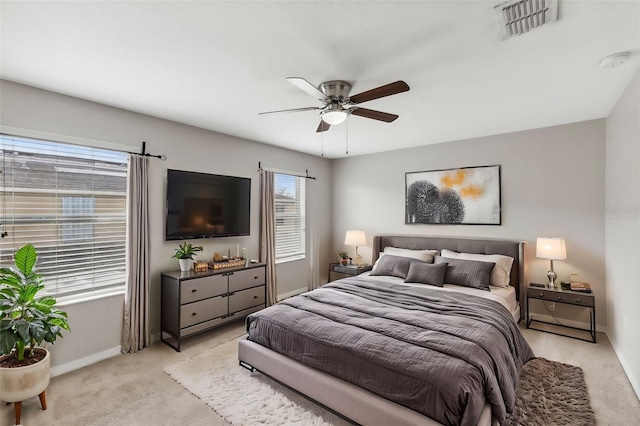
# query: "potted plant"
(184, 254)
(343, 257)
(26, 320)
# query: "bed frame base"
(254, 370)
(348, 401)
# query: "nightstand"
(347, 270)
(568, 297)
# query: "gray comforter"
(440, 353)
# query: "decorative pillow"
(394, 266)
(468, 273)
(424, 255)
(378, 259)
(426, 273)
(501, 274)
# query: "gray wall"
(552, 185)
(622, 232)
(33, 112)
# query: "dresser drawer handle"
(193, 290)
(255, 297)
(559, 297)
(255, 278)
(541, 295)
(193, 314)
(577, 300)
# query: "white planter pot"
(185, 264)
(21, 383)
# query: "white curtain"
(135, 333)
(268, 233)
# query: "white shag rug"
(242, 397)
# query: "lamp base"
(552, 279)
(358, 260)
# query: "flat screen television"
(201, 205)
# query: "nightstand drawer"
(540, 293)
(573, 298)
(577, 299)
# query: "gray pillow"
(394, 266)
(468, 273)
(426, 273)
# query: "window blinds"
(290, 217)
(68, 201)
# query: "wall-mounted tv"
(201, 205)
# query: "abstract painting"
(465, 196)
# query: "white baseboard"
(635, 383)
(83, 362)
(155, 337)
(292, 293)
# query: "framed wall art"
(464, 196)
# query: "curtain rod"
(286, 172)
(146, 154)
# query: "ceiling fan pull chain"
(347, 137)
(322, 145)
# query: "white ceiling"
(215, 64)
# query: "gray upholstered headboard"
(514, 249)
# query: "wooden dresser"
(193, 302)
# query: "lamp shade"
(551, 248)
(355, 238)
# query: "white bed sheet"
(505, 296)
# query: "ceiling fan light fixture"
(334, 117)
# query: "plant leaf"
(7, 342)
(25, 258)
(21, 326)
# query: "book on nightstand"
(584, 287)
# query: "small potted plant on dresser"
(184, 254)
(26, 320)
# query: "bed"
(378, 350)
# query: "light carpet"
(242, 397)
(549, 393)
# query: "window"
(69, 201)
(79, 210)
(290, 217)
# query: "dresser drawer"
(198, 312)
(202, 288)
(246, 299)
(202, 326)
(247, 278)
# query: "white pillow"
(501, 273)
(424, 255)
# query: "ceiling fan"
(337, 104)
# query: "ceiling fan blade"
(376, 115)
(290, 110)
(304, 85)
(323, 127)
(380, 92)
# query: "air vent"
(517, 17)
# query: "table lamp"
(552, 249)
(356, 238)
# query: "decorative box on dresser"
(193, 302)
